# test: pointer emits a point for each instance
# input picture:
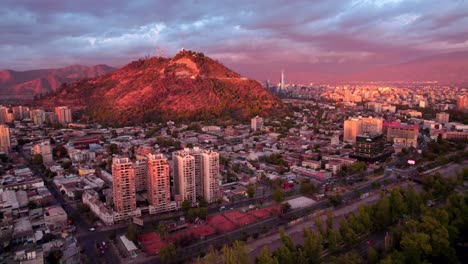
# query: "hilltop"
(188, 86)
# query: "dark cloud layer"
(255, 38)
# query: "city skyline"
(302, 38)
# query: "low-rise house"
(55, 218)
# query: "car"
(92, 229)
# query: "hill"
(26, 84)
(187, 86)
(447, 68)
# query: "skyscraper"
(282, 81)
(184, 176)
(159, 187)
(123, 175)
(210, 172)
(4, 139)
(4, 115)
(63, 114)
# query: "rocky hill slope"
(187, 86)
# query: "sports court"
(240, 218)
(220, 223)
(300, 202)
(151, 243)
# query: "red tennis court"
(151, 243)
(220, 223)
(240, 218)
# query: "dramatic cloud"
(256, 38)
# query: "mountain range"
(188, 86)
(26, 84)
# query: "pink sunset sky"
(255, 38)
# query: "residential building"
(462, 102)
(123, 186)
(141, 175)
(44, 149)
(38, 116)
(159, 186)
(91, 198)
(442, 117)
(184, 176)
(256, 123)
(5, 139)
(4, 115)
(355, 126)
(55, 217)
(403, 135)
(211, 177)
(64, 115)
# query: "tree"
(348, 234)
(414, 245)
(3, 157)
(398, 205)
(66, 165)
(163, 231)
(413, 201)
(364, 217)
(285, 208)
(54, 256)
(132, 232)
(37, 159)
(113, 133)
(278, 196)
(265, 257)
(212, 256)
(358, 166)
(335, 200)
(313, 245)
(194, 213)
(185, 206)
(307, 188)
(240, 252)
(250, 192)
(113, 149)
(330, 219)
(319, 224)
(167, 253)
(372, 255)
(284, 255)
(351, 257)
(59, 152)
(287, 241)
(334, 239)
(382, 214)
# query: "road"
(86, 239)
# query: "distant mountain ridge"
(188, 86)
(449, 68)
(26, 84)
